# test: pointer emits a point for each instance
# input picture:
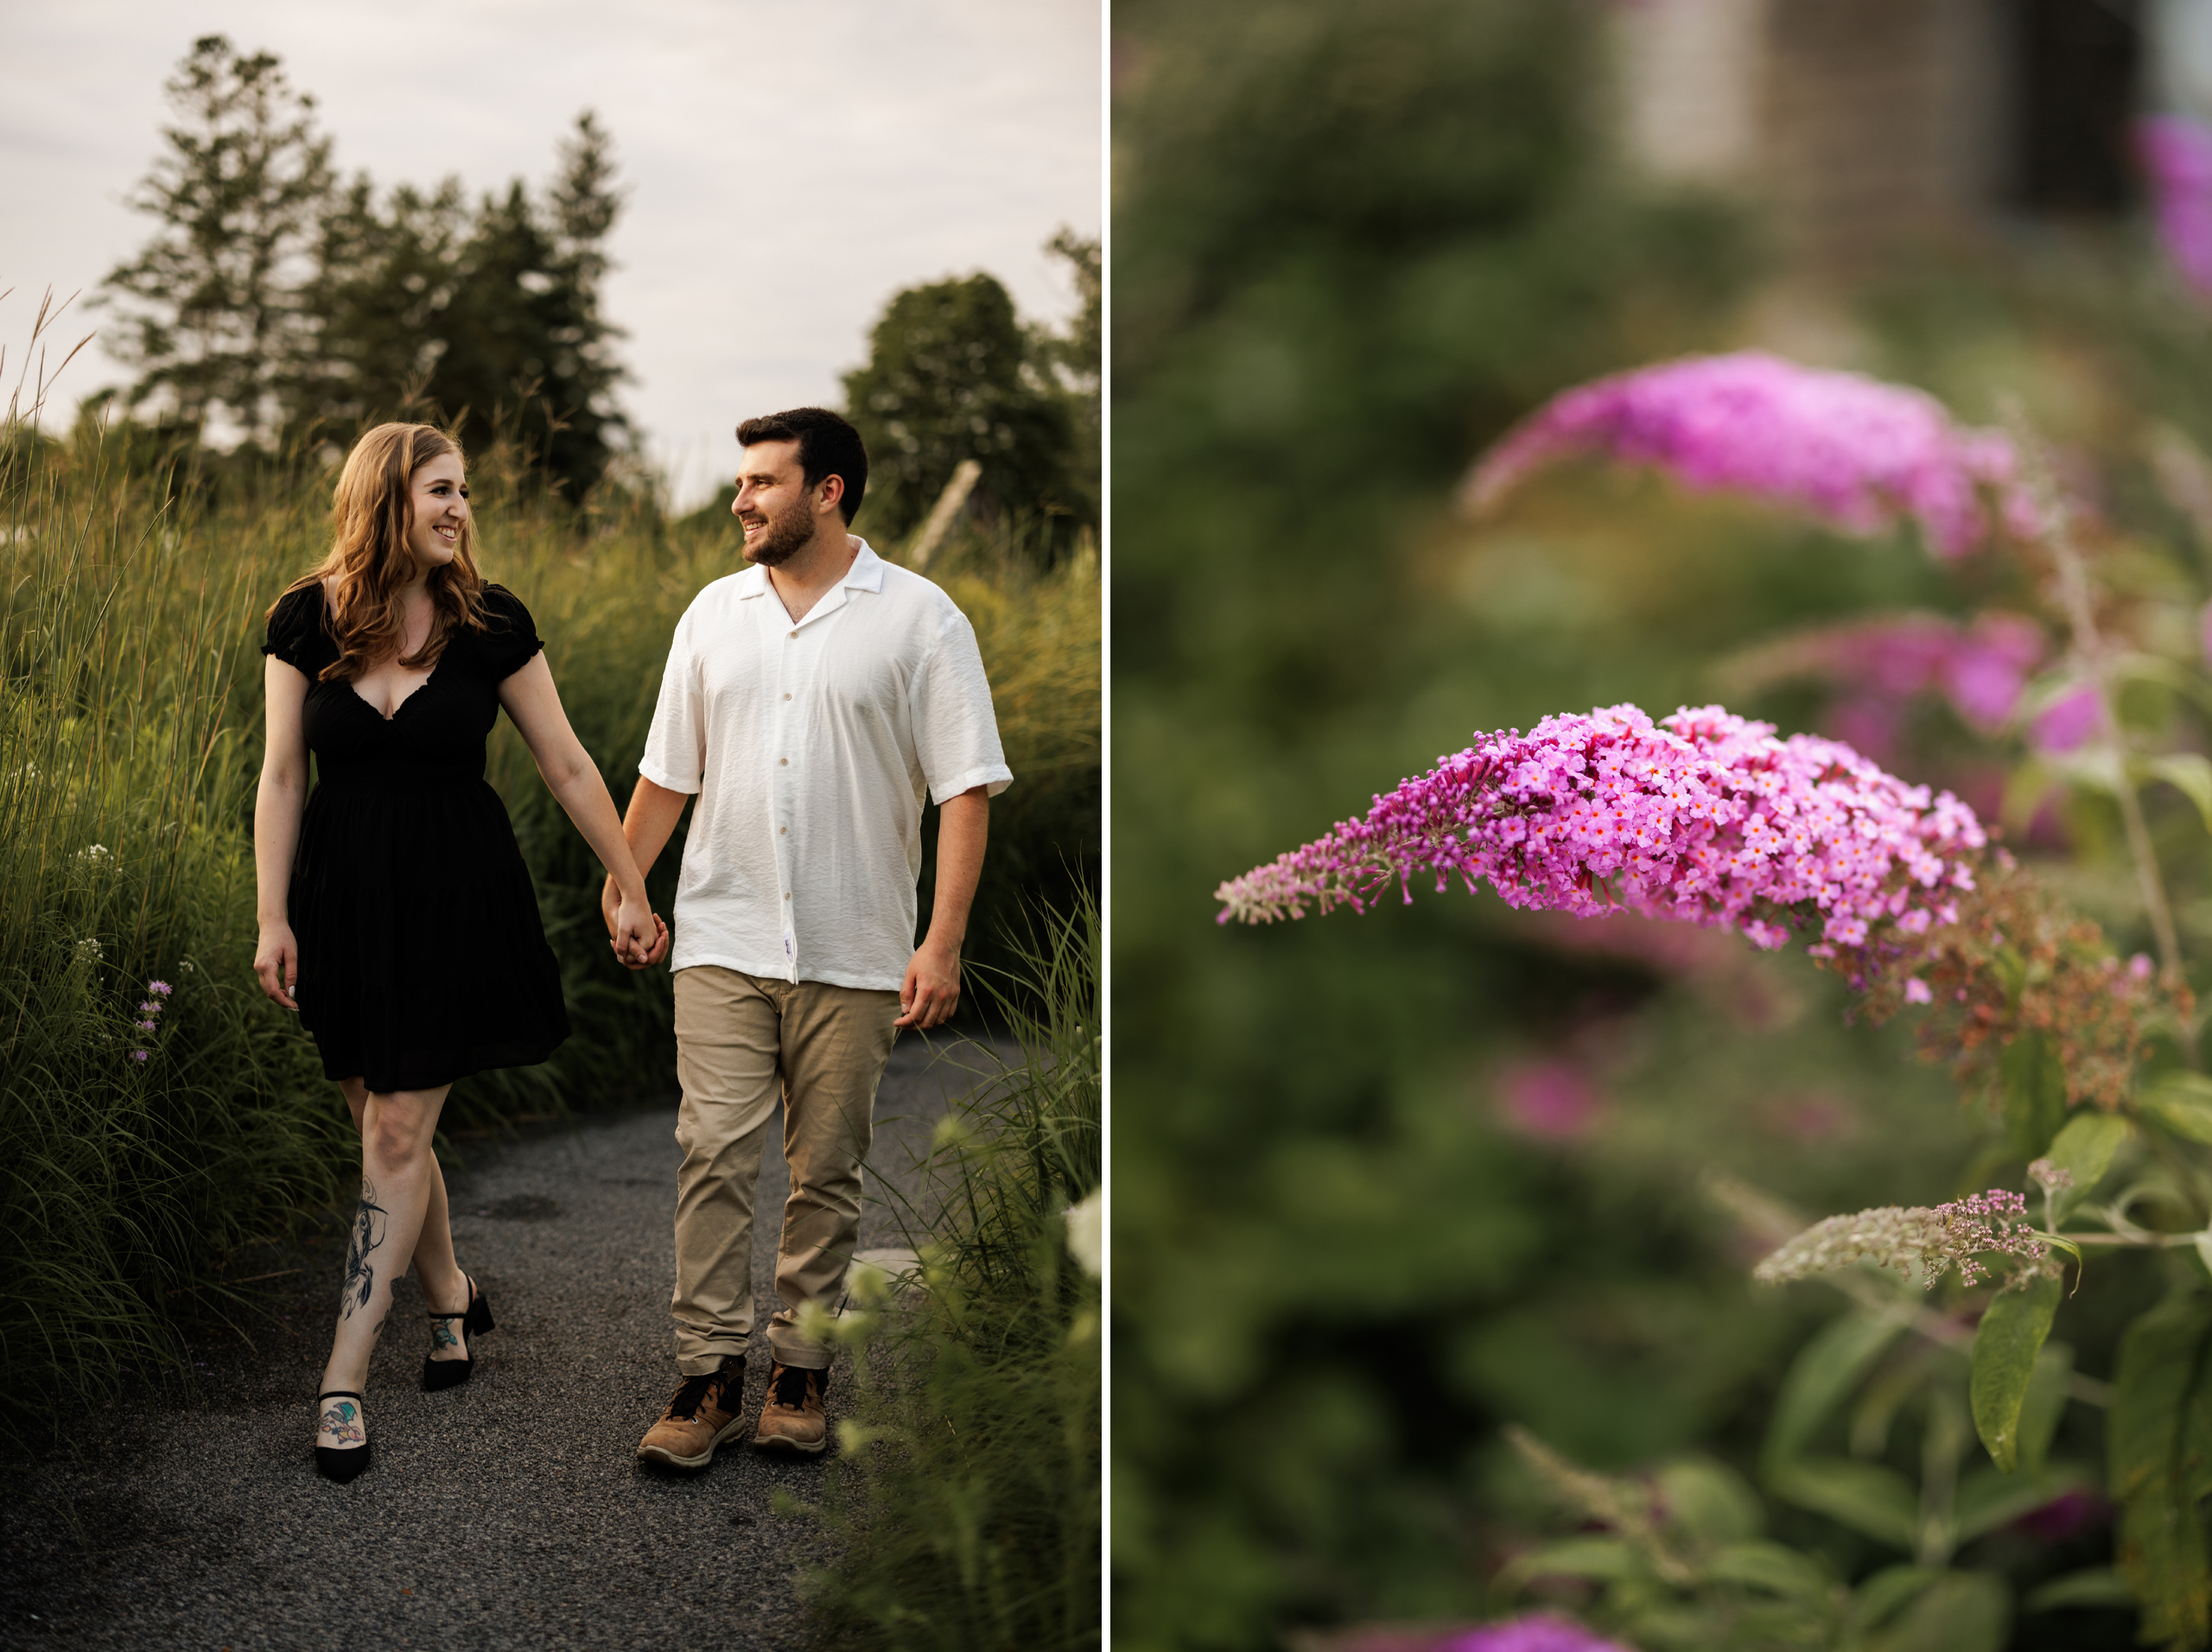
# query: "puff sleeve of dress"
(510, 640)
(295, 634)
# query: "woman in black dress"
(395, 913)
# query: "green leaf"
(1605, 1559)
(2099, 1586)
(1824, 1372)
(2179, 1103)
(1773, 1567)
(2045, 1404)
(1961, 1611)
(2035, 1093)
(2160, 1467)
(1988, 1499)
(1874, 1500)
(1881, 1597)
(2085, 1148)
(2004, 1348)
(2189, 774)
(1708, 1502)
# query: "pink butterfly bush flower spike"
(1703, 817)
(1852, 451)
(1534, 1632)
(2176, 155)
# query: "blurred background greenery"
(1384, 1184)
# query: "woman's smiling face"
(437, 511)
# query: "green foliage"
(974, 1520)
(952, 376)
(2006, 1346)
(2161, 1467)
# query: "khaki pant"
(740, 1040)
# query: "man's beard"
(782, 539)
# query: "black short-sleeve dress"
(421, 956)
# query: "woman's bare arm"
(277, 806)
(535, 704)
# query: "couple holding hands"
(811, 703)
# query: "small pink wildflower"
(1703, 819)
(2067, 722)
(148, 1027)
(1552, 1101)
(138, 1055)
(161, 986)
(1916, 992)
(2176, 155)
(2141, 967)
(149, 1007)
(1852, 451)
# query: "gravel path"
(510, 1512)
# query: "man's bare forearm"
(963, 826)
(651, 819)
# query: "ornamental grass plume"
(1703, 818)
(1852, 451)
(1935, 1239)
(2176, 155)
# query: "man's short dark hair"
(827, 447)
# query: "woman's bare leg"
(444, 1286)
(399, 1173)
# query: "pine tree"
(237, 192)
(489, 322)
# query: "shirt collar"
(864, 574)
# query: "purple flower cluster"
(1878, 665)
(150, 1008)
(1703, 819)
(1852, 451)
(1533, 1632)
(2176, 155)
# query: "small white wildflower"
(87, 950)
(1087, 1232)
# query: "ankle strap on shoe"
(341, 1393)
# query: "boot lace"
(791, 1386)
(692, 1392)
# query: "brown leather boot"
(707, 1410)
(792, 1419)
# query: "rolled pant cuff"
(703, 1364)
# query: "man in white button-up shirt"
(812, 703)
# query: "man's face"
(773, 504)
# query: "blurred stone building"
(1867, 123)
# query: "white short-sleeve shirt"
(811, 744)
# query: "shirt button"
(781, 761)
(780, 830)
(787, 895)
(794, 635)
(787, 697)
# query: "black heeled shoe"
(475, 1320)
(342, 1463)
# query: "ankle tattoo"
(341, 1418)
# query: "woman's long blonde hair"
(368, 564)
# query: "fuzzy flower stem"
(2074, 593)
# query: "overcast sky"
(789, 165)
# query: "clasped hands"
(634, 931)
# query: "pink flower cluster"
(1982, 668)
(1703, 819)
(1532, 1632)
(1852, 451)
(2176, 155)
(150, 1008)
(1935, 1239)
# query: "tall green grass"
(970, 1521)
(131, 708)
